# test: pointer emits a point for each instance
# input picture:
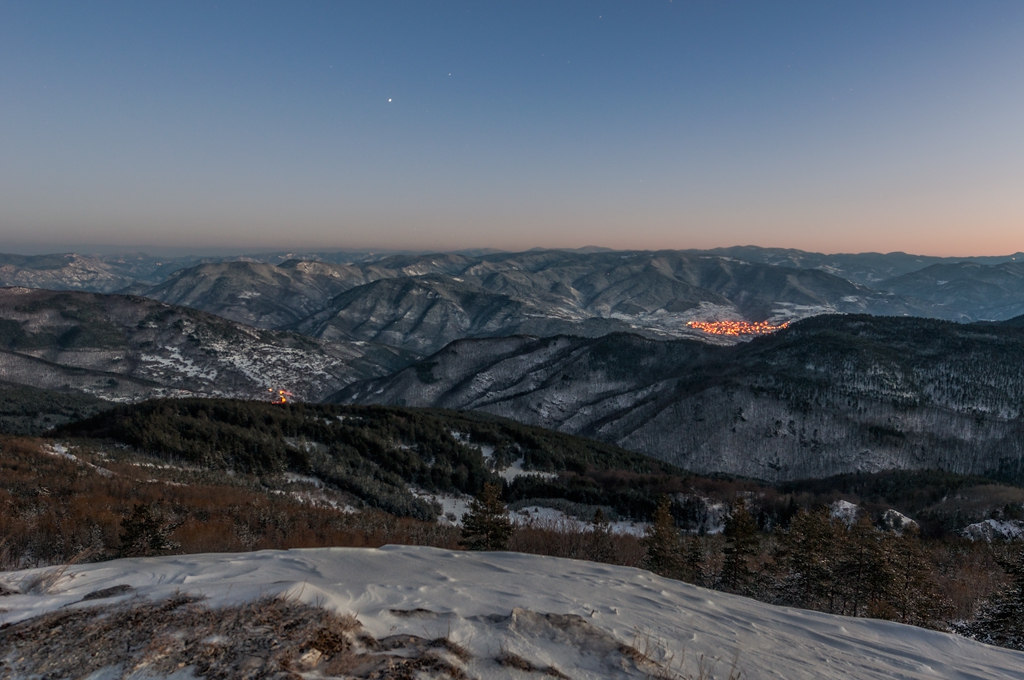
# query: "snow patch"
(453, 506)
(845, 510)
(549, 518)
(516, 470)
(304, 479)
(61, 451)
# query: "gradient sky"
(828, 126)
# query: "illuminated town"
(736, 328)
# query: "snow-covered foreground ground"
(494, 603)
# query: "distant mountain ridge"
(994, 291)
(588, 291)
(868, 269)
(420, 303)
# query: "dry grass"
(508, 659)
(664, 664)
(452, 647)
(45, 582)
(269, 638)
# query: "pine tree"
(911, 596)
(862, 569)
(1000, 621)
(693, 560)
(486, 526)
(600, 547)
(662, 543)
(146, 532)
(740, 544)
(809, 556)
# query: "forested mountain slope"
(425, 313)
(70, 271)
(991, 292)
(256, 293)
(829, 395)
(377, 453)
(649, 288)
(127, 348)
(866, 268)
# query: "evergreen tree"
(486, 526)
(693, 560)
(1000, 621)
(146, 532)
(600, 547)
(912, 596)
(740, 545)
(862, 570)
(808, 557)
(662, 543)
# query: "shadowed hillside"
(829, 395)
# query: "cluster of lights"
(281, 397)
(736, 328)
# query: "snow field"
(572, 615)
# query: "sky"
(824, 126)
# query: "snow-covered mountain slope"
(422, 302)
(65, 272)
(578, 617)
(93, 273)
(982, 291)
(125, 348)
(257, 293)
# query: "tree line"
(819, 561)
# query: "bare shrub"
(271, 637)
(457, 650)
(662, 663)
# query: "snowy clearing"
(572, 615)
(549, 518)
